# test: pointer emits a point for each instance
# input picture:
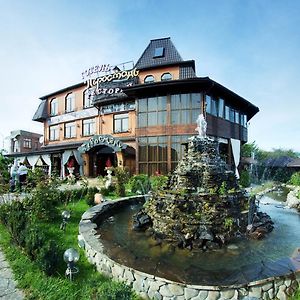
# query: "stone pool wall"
(153, 287)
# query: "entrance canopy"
(102, 140)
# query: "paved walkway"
(8, 290)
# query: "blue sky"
(251, 47)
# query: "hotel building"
(137, 117)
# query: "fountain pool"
(241, 261)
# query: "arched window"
(88, 98)
(166, 76)
(70, 102)
(54, 107)
(149, 78)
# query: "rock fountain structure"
(202, 206)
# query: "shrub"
(140, 183)
(295, 179)
(122, 176)
(43, 201)
(49, 257)
(158, 182)
(90, 195)
(245, 180)
(34, 240)
(34, 177)
(113, 290)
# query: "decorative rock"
(213, 295)
(255, 291)
(165, 291)
(201, 296)
(190, 293)
(227, 294)
(267, 286)
(117, 271)
(175, 289)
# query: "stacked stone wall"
(153, 287)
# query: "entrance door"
(100, 158)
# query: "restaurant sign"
(102, 140)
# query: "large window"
(70, 102)
(88, 127)
(54, 107)
(88, 98)
(121, 123)
(70, 130)
(153, 155)
(185, 108)
(54, 133)
(211, 105)
(152, 111)
(27, 143)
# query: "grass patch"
(88, 283)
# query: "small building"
(140, 116)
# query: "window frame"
(27, 143)
(89, 100)
(53, 107)
(166, 74)
(149, 76)
(121, 118)
(68, 129)
(70, 99)
(89, 125)
(54, 129)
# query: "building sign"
(85, 113)
(102, 140)
(95, 70)
(119, 75)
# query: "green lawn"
(88, 284)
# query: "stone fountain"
(202, 206)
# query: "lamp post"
(71, 256)
(66, 216)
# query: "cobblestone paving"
(8, 290)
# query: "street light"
(66, 216)
(71, 256)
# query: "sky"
(251, 47)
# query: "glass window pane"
(142, 105)
(175, 102)
(221, 108)
(208, 104)
(185, 101)
(162, 118)
(175, 117)
(185, 117)
(152, 119)
(143, 120)
(152, 153)
(237, 117)
(162, 103)
(152, 139)
(152, 104)
(143, 153)
(231, 115)
(227, 109)
(196, 100)
(213, 107)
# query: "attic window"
(159, 52)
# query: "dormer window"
(159, 52)
(166, 76)
(149, 78)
